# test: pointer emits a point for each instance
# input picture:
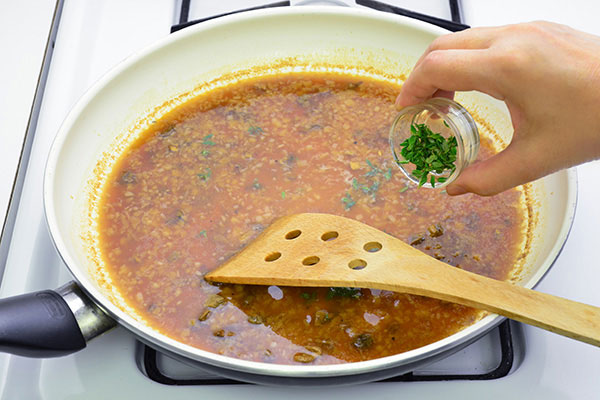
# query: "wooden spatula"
(328, 250)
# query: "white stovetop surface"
(103, 33)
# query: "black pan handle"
(50, 323)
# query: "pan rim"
(258, 368)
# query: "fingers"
(469, 39)
(542, 72)
(449, 71)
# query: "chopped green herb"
(202, 233)
(369, 183)
(204, 176)
(207, 140)
(309, 296)
(322, 317)
(374, 170)
(429, 152)
(388, 174)
(353, 293)
(363, 341)
(446, 124)
(404, 189)
(205, 153)
(283, 194)
(373, 189)
(256, 184)
(255, 130)
(348, 201)
(365, 188)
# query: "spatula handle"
(565, 317)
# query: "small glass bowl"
(443, 116)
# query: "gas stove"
(88, 39)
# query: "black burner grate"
(454, 25)
(150, 357)
(185, 10)
(152, 369)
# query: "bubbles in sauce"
(371, 318)
(275, 292)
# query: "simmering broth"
(204, 180)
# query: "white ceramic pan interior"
(118, 106)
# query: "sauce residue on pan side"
(206, 179)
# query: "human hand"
(549, 77)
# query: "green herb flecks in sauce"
(348, 201)
(255, 130)
(205, 175)
(207, 140)
(353, 293)
(404, 189)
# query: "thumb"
(517, 164)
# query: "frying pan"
(147, 85)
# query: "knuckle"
(433, 59)
(440, 42)
(540, 28)
(508, 63)
(543, 26)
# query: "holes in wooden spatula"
(293, 234)
(331, 235)
(312, 260)
(373, 247)
(357, 264)
(273, 256)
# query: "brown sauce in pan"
(206, 179)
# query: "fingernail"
(397, 102)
